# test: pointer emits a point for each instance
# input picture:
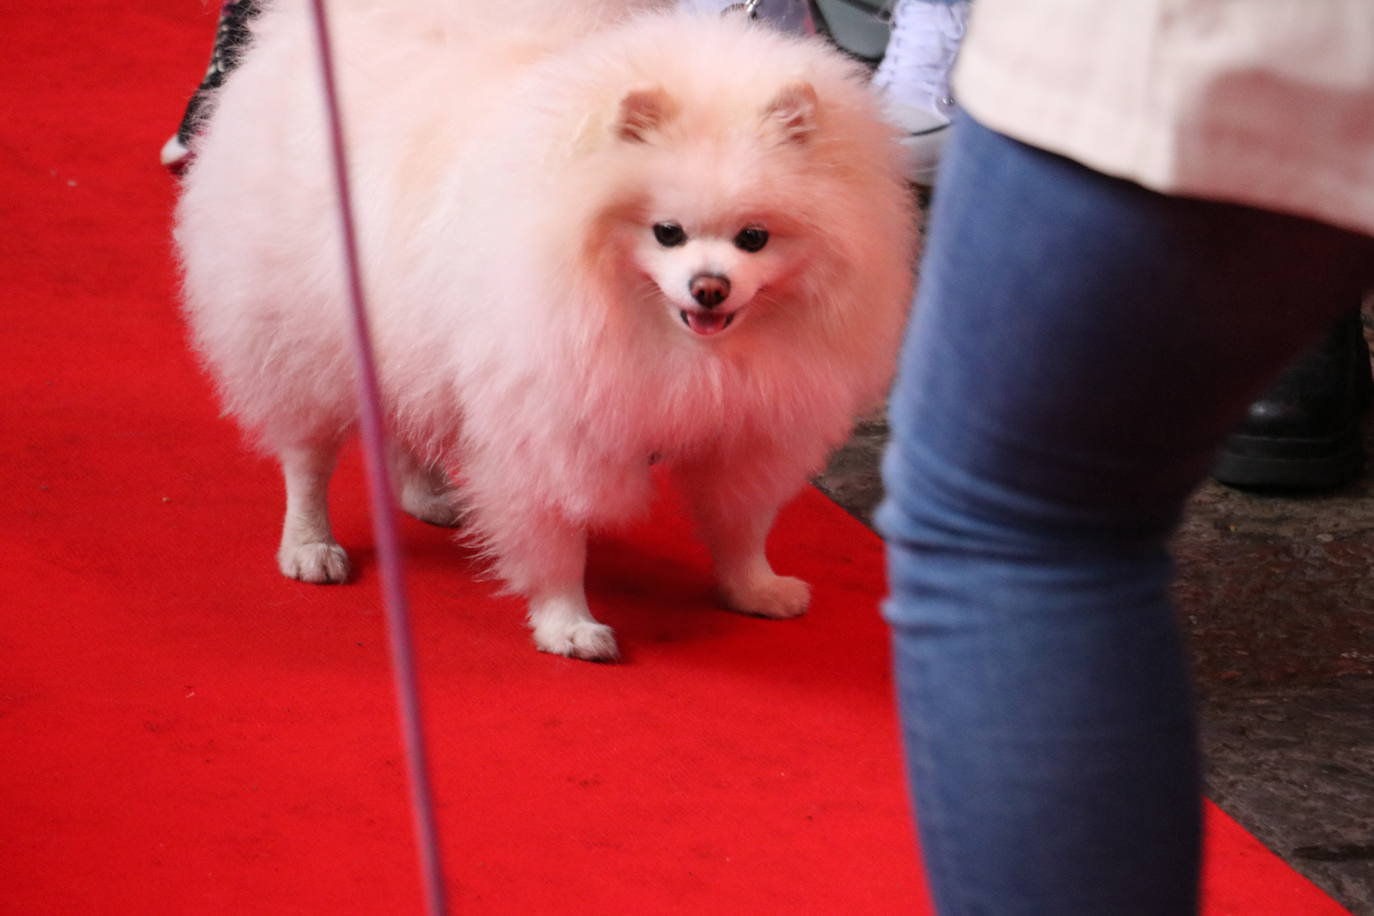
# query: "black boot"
(231, 38)
(1304, 433)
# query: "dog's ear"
(793, 111)
(643, 111)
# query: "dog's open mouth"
(706, 323)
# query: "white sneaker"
(924, 133)
(914, 75)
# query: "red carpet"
(184, 731)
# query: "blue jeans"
(1080, 346)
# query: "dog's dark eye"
(669, 235)
(751, 238)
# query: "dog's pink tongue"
(706, 323)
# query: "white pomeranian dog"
(596, 236)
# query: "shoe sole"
(921, 154)
(1258, 463)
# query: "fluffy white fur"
(537, 344)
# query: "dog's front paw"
(585, 639)
(777, 597)
(321, 562)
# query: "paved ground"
(1277, 595)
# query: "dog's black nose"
(710, 290)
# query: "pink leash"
(383, 505)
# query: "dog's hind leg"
(423, 489)
(308, 550)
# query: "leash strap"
(373, 436)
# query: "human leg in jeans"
(1080, 347)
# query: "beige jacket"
(1263, 102)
